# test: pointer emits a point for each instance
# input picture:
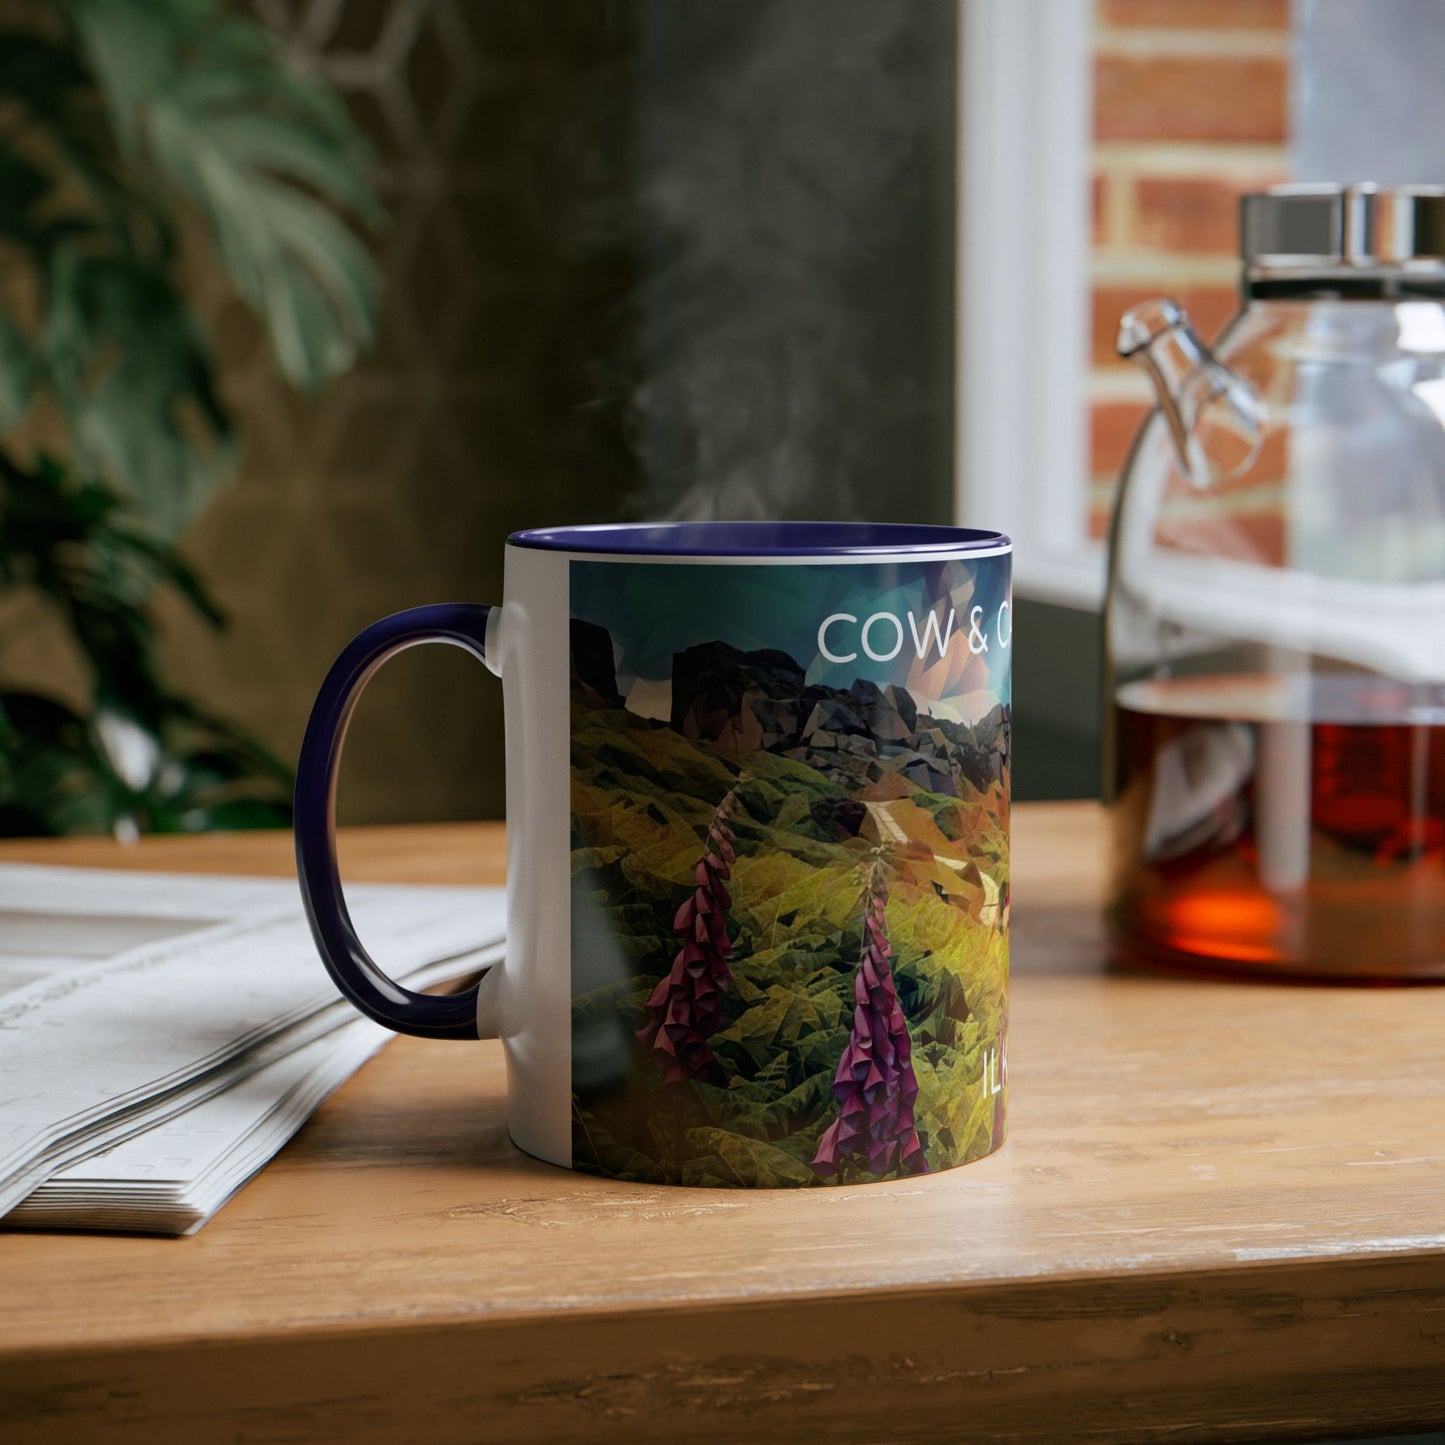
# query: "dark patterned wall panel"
(644, 256)
(479, 412)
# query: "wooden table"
(1221, 1213)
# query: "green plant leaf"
(37, 72)
(17, 369)
(49, 779)
(145, 757)
(264, 151)
(134, 376)
(22, 187)
(55, 98)
(116, 118)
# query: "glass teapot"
(1275, 624)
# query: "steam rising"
(790, 324)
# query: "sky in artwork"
(955, 613)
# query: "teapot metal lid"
(1329, 228)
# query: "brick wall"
(1190, 110)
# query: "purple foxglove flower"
(874, 1085)
(685, 1009)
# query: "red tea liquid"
(1284, 825)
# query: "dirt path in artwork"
(889, 827)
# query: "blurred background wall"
(481, 411)
(1195, 103)
(644, 257)
(672, 257)
(688, 258)
(1368, 103)
(1191, 109)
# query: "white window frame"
(1025, 120)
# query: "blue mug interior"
(746, 539)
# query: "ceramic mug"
(757, 847)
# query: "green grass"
(642, 798)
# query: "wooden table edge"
(1182, 1280)
(1281, 1349)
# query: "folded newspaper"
(162, 1036)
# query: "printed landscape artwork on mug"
(790, 869)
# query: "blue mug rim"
(758, 539)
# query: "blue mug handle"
(355, 972)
